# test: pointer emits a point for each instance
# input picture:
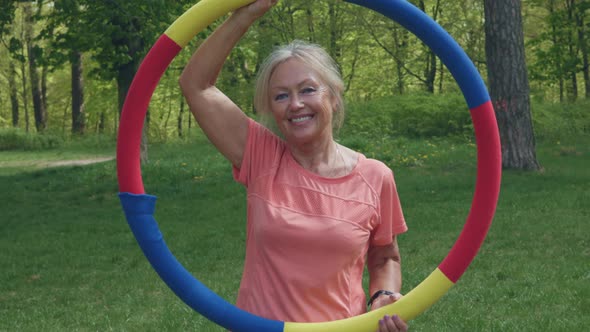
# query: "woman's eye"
(280, 96)
(308, 90)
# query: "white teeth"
(301, 119)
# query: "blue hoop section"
(139, 207)
(441, 43)
(139, 211)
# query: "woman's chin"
(299, 132)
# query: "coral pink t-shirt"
(308, 236)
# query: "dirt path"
(55, 163)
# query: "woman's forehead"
(293, 72)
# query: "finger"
(383, 325)
(389, 324)
(399, 323)
(396, 297)
(383, 301)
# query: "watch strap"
(377, 294)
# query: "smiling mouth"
(301, 119)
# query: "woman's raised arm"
(223, 122)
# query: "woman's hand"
(389, 323)
(392, 324)
(256, 9)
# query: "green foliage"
(387, 128)
(560, 120)
(122, 32)
(92, 142)
(377, 58)
(430, 116)
(551, 48)
(18, 139)
(6, 15)
(559, 46)
(411, 116)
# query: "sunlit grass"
(69, 261)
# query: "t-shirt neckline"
(308, 173)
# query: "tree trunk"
(44, 73)
(102, 122)
(263, 48)
(441, 78)
(430, 68)
(508, 81)
(180, 115)
(573, 53)
(284, 24)
(334, 31)
(580, 15)
(13, 94)
(78, 115)
(401, 43)
(555, 42)
(353, 67)
(310, 25)
(25, 94)
(38, 108)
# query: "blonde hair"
(318, 60)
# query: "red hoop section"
(480, 216)
(134, 111)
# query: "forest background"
(66, 66)
(69, 260)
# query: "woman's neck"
(324, 158)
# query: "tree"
(33, 55)
(561, 49)
(68, 40)
(13, 93)
(430, 68)
(508, 82)
(580, 17)
(123, 33)
(18, 59)
(7, 9)
(549, 47)
(78, 115)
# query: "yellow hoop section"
(199, 17)
(409, 307)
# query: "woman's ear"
(333, 102)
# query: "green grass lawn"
(68, 261)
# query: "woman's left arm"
(384, 265)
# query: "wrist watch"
(377, 294)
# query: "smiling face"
(300, 102)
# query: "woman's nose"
(296, 102)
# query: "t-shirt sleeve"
(262, 153)
(391, 216)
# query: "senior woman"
(318, 212)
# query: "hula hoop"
(139, 207)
